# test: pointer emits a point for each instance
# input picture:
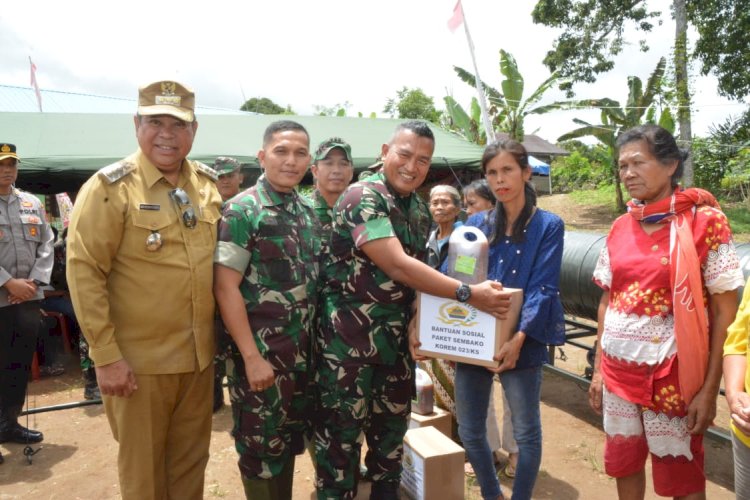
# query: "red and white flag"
(35, 85)
(457, 18)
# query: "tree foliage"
(722, 159)
(467, 125)
(593, 35)
(587, 167)
(724, 38)
(508, 108)
(616, 118)
(265, 106)
(412, 104)
(335, 110)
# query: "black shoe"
(15, 433)
(382, 490)
(1, 458)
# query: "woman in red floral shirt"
(670, 276)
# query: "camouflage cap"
(8, 150)
(225, 165)
(326, 146)
(167, 98)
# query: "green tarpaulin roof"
(61, 150)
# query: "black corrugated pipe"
(580, 296)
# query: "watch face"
(463, 293)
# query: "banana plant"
(468, 126)
(507, 107)
(615, 118)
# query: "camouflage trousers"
(353, 399)
(224, 351)
(269, 426)
(83, 349)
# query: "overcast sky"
(305, 53)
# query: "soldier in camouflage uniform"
(265, 282)
(332, 170)
(229, 171)
(364, 379)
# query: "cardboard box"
(439, 419)
(449, 329)
(433, 466)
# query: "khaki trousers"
(164, 430)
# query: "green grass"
(604, 195)
(739, 218)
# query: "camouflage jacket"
(323, 212)
(365, 313)
(270, 238)
(324, 215)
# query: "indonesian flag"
(35, 85)
(457, 18)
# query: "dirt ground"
(77, 459)
(578, 218)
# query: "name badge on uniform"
(149, 206)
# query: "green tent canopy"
(59, 151)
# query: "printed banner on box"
(452, 327)
(453, 330)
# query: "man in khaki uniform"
(140, 251)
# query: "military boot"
(278, 487)
(12, 431)
(384, 490)
(260, 489)
(91, 388)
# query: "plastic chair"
(62, 322)
(36, 374)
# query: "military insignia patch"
(167, 96)
(168, 88)
(204, 169)
(117, 171)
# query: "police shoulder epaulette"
(204, 169)
(116, 171)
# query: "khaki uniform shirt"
(25, 242)
(153, 308)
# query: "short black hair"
(480, 188)
(662, 145)
(283, 126)
(419, 127)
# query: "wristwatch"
(463, 293)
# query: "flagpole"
(480, 90)
(34, 83)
